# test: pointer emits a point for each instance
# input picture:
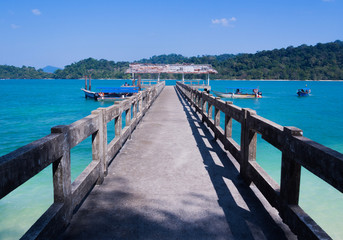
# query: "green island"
(318, 62)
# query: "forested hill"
(322, 61)
(319, 62)
(11, 72)
(98, 69)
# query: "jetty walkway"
(173, 171)
(173, 181)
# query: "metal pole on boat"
(183, 77)
(158, 79)
(90, 83)
(208, 79)
(86, 82)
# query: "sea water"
(29, 108)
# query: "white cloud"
(36, 12)
(224, 22)
(14, 26)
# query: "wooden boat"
(304, 92)
(239, 93)
(111, 93)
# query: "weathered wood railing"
(25, 162)
(146, 83)
(197, 84)
(297, 151)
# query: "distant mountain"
(50, 69)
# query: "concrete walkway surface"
(172, 180)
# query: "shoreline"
(105, 79)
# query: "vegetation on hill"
(319, 62)
(322, 61)
(11, 72)
(98, 69)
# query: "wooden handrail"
(24, 163)
(297, 151)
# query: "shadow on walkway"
(247, 217)
(156, 190)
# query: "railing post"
(98, 145)
(135, 108)
(61, 171)
(198, 98)
(216, 117)
(140, 103)
(203, 106)
(290, 170)
(104, 139)
(210, 109)
(248, 145)
(228, 124)
(191, 98)
(128, 116)
(147, 99)
(118, 123)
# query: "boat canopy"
(170, 68)
(305, 89)
(242, 88)
(118, 89)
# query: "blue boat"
(304, 92)
(111, 93)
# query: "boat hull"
(301, 94)
(90, 94)
(233, 95)
(107, 96)
(304, 92)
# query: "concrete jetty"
(173, 171)
(172, 180)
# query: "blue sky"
(50, 32)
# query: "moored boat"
(304, 92)
(239, 93)
(111, 93)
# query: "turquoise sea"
(29, 108)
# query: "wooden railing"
(25, 162)
(297, 151)
(197, 84)
(148, 83)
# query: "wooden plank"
(265, 184)
(51, 223)
(324, 162)
(84, 183)
(82, 129)
(303, 225)
(22, 164)
(270, 131)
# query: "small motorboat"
(304, 92)
(239, 93)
